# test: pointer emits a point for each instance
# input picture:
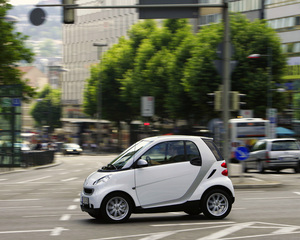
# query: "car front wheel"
(216, 204)
(116, 208)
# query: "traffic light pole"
(226, 81)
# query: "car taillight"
(267, 155)
(224, 172)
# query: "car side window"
(165, 153)
(284, 145)
(259, 146)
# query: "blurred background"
(110, 79)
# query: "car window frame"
(168, 159)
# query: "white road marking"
(270, 198)
(3, 179)
(69, 179)
(275, 230)
(53, 232)
(257, 179)
(188, 224)
(227, 231)
(298, 193)
(37, 216)
(282, 229)
(65, 217)
(20, 207)
(173, 232)
(76, 200)
(57, 231)
(33, 180)
(19, 200)
(72, 207)
(286, 230)
(158, 236)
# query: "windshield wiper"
(109, 167)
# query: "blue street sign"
(242, 153)
(16, 102)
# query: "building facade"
(104, 26)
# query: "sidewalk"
(247, 180)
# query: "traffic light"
(68, 13)
(234, 101)
(218, 100)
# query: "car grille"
(88, 191)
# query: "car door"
(169, 175)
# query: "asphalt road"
(44, 204)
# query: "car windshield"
(123, 158)
(72, 145)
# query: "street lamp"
(270, 113)
(99, 94)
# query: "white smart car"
(161, 174)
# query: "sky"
(23, 2)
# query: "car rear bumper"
(275, 164)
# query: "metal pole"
(226, 80)
(99, 96)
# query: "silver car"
(274, 154)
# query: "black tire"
(193, 212)
(116, 208)
(244, 167)
(260, 167)
(96, 216)
(216, 204)
(297, 169)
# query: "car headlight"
(102, 179)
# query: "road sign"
(37, 16)
(147, 106)
(6, 102)
(241, 153)
(16, 102)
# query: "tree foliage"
(13, 50)
(176, 66)
(47, 110)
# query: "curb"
(32, 168)
(252, 186)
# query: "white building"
(91, 26)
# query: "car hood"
(94, 177)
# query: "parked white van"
(161, 174)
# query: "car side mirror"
(142, 163)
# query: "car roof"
(174, 137)
(279, 139)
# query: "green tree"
(47, 110)
(250, 77)
(152, 68)
(176, 67)
(13, 50)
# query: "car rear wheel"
(244, 167)
(216, 204)
(297, 169)
(116, 208)
(260, 167)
